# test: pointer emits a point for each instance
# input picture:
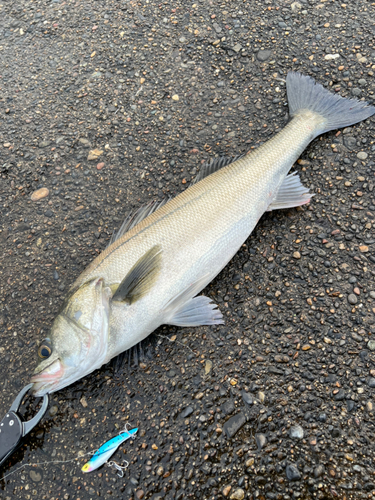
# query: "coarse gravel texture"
(278, 403)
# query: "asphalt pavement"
(107, 105)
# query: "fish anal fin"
(141, 278)
(184, 310)
(197, 311)
(291, 193)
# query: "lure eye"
(45, 350)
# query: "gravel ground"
(276, 404)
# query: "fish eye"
(45, 349)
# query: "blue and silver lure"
(107, 450)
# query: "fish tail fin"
(305, 94)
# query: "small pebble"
(188, 411)
(292, 473)
(39, 434)
(340, 395)
(35, 476)
(296, 432)
(248, 399)
(99, 166)
(362, 155)
(234, 424)
(356, 337)
(261, 440)
(350, 404)
(352, 299)
(319, 471)
(94, 154)
(39, 194)
(208, 366)
(330, 57)
(238, 494)
(83, 401)
(295, 6)
(53, 410)
(226, 490)
(263, 55)
(336, 432)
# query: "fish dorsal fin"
(291, 193)
(134, 218)
(214, 165)
(140, 278)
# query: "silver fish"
(162, 258)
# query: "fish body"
(197, 235)
(105, 452)
(151, 274)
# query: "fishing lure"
(107, 450)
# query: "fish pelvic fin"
(141, 278)
(304, 94)
(291, 193)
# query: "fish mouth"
(49, 379)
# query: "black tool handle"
(11, 433)
(13, 428)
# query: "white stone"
(329, 57)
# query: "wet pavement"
(107, 105)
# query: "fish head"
(78, 342)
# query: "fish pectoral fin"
(141, 278)
(197, 311)
(291, 193)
